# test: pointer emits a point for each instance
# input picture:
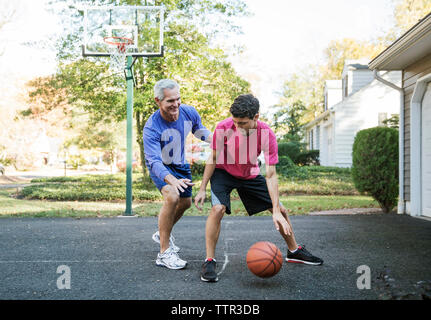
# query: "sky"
(279, 38)
(285, 36)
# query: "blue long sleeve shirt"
(164, 141)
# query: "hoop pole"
(130, 83)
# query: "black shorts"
(253, 192)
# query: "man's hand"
(181, 184)
(281, 222)
(199, 199)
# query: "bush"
(375, 165)
(288, 168)
(90, 188)
(308, 158)
(289, 149)
(197, 168)
(298, 154)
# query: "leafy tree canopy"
(208, 81)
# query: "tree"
(207, 80)
(289, 118)
(409, 12)
(307, 85)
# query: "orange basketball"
(264, 259)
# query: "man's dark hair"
(245, 106)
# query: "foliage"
(290, 149)
(286, 167)
(409, 12)
(297, 152)
(5, 159)
(310, 180)
(89, 188)
(375, 165)
(308, 157)
(307, 85)
(197, 168)
(288, 117)
(76, 160)
(340, 50)
(208, 81)
(392, 122)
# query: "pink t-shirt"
(237, 153)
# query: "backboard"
(141, 25)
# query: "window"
(318, 138)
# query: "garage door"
(426, 152)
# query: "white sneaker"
(170, 259)
(156, 238)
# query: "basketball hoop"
(118, 50)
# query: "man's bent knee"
(218, 210)
(170, 195)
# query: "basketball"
(264, 259)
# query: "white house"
(411, 54)
(354, 103)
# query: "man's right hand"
(199, 199)
(179, 184)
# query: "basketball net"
(118, 58)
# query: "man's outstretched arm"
(277, 217)
(208, 172)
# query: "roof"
(357, 64)
(407, 49)
(360, 64)
(319, 117)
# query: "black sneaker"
(208, 273)
(303, 256)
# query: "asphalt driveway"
(114, 258)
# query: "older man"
(164, 139)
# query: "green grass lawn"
(103, 195)
(300, 204)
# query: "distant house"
(351, 104)
(411, 54)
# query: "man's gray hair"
(163, 84)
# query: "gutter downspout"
(401, 203)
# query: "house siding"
(360, 111)
(410, 75)
(359, 79)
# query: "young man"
(237, 142)
(164, 137)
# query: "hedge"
(375, 165)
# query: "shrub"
(298, 154)
(288, 168)
(308, 158)
(289, 149)
(197, 168)
(89, 188)
(375, 165)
